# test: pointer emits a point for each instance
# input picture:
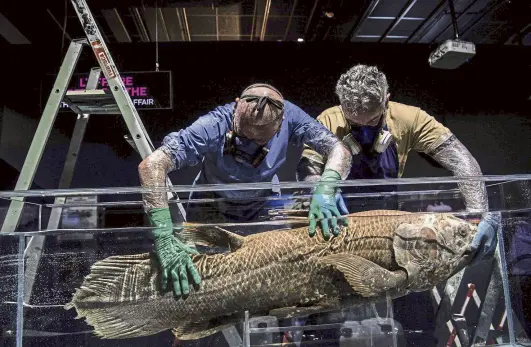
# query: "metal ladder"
(85, 102)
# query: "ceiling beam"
(173, 24)
(357, 25)
(11, 33)
(139, 23)
(310, 19)
(255, 12)
(397, 20)
(155, 24)
(63, 29)
(186, 27)
(428, 23)
(264, 20)
(290, 19)
(162, 23)
(457, 20)
(217, 24)
(117, 25)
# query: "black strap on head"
(262, 85)
(262, 100)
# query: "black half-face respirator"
(243, 150)
(382, 140)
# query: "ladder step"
(96, 101)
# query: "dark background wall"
(485, 102)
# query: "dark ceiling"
(398, 21)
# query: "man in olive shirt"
(380, 134)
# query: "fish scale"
(121, 297)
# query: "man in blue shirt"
(240, 142)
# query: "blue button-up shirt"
(203, 142)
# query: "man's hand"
(324, 205)
(486, 239)
(174, 255)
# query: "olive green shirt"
(411, 128)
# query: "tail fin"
(111, 297)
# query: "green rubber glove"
(324, 205)
(174, 255)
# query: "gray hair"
(362, 89)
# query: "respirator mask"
(377, 136)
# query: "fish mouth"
(463, 261)
(468, 252)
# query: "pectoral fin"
(416, 250)
(194, 331)
(191, 331)
(365, 277)
(211, 236)
(295, 311)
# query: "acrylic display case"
(51, 238)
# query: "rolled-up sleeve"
(308, 131)
(188, 146)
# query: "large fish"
(282, 273)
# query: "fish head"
(454, 239)
(453, 234)
(433, 247)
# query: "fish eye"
(462, 230)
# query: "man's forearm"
(309, 170)
(340, 160)
(153, 171)
(455, 157)
(312, 164)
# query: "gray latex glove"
(486, 239)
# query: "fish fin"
(365, 277)
(194, 331)
(295, 311)
(416, 251)
(116, 278)
(110, 292)
(212, 237)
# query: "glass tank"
(78, 267)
